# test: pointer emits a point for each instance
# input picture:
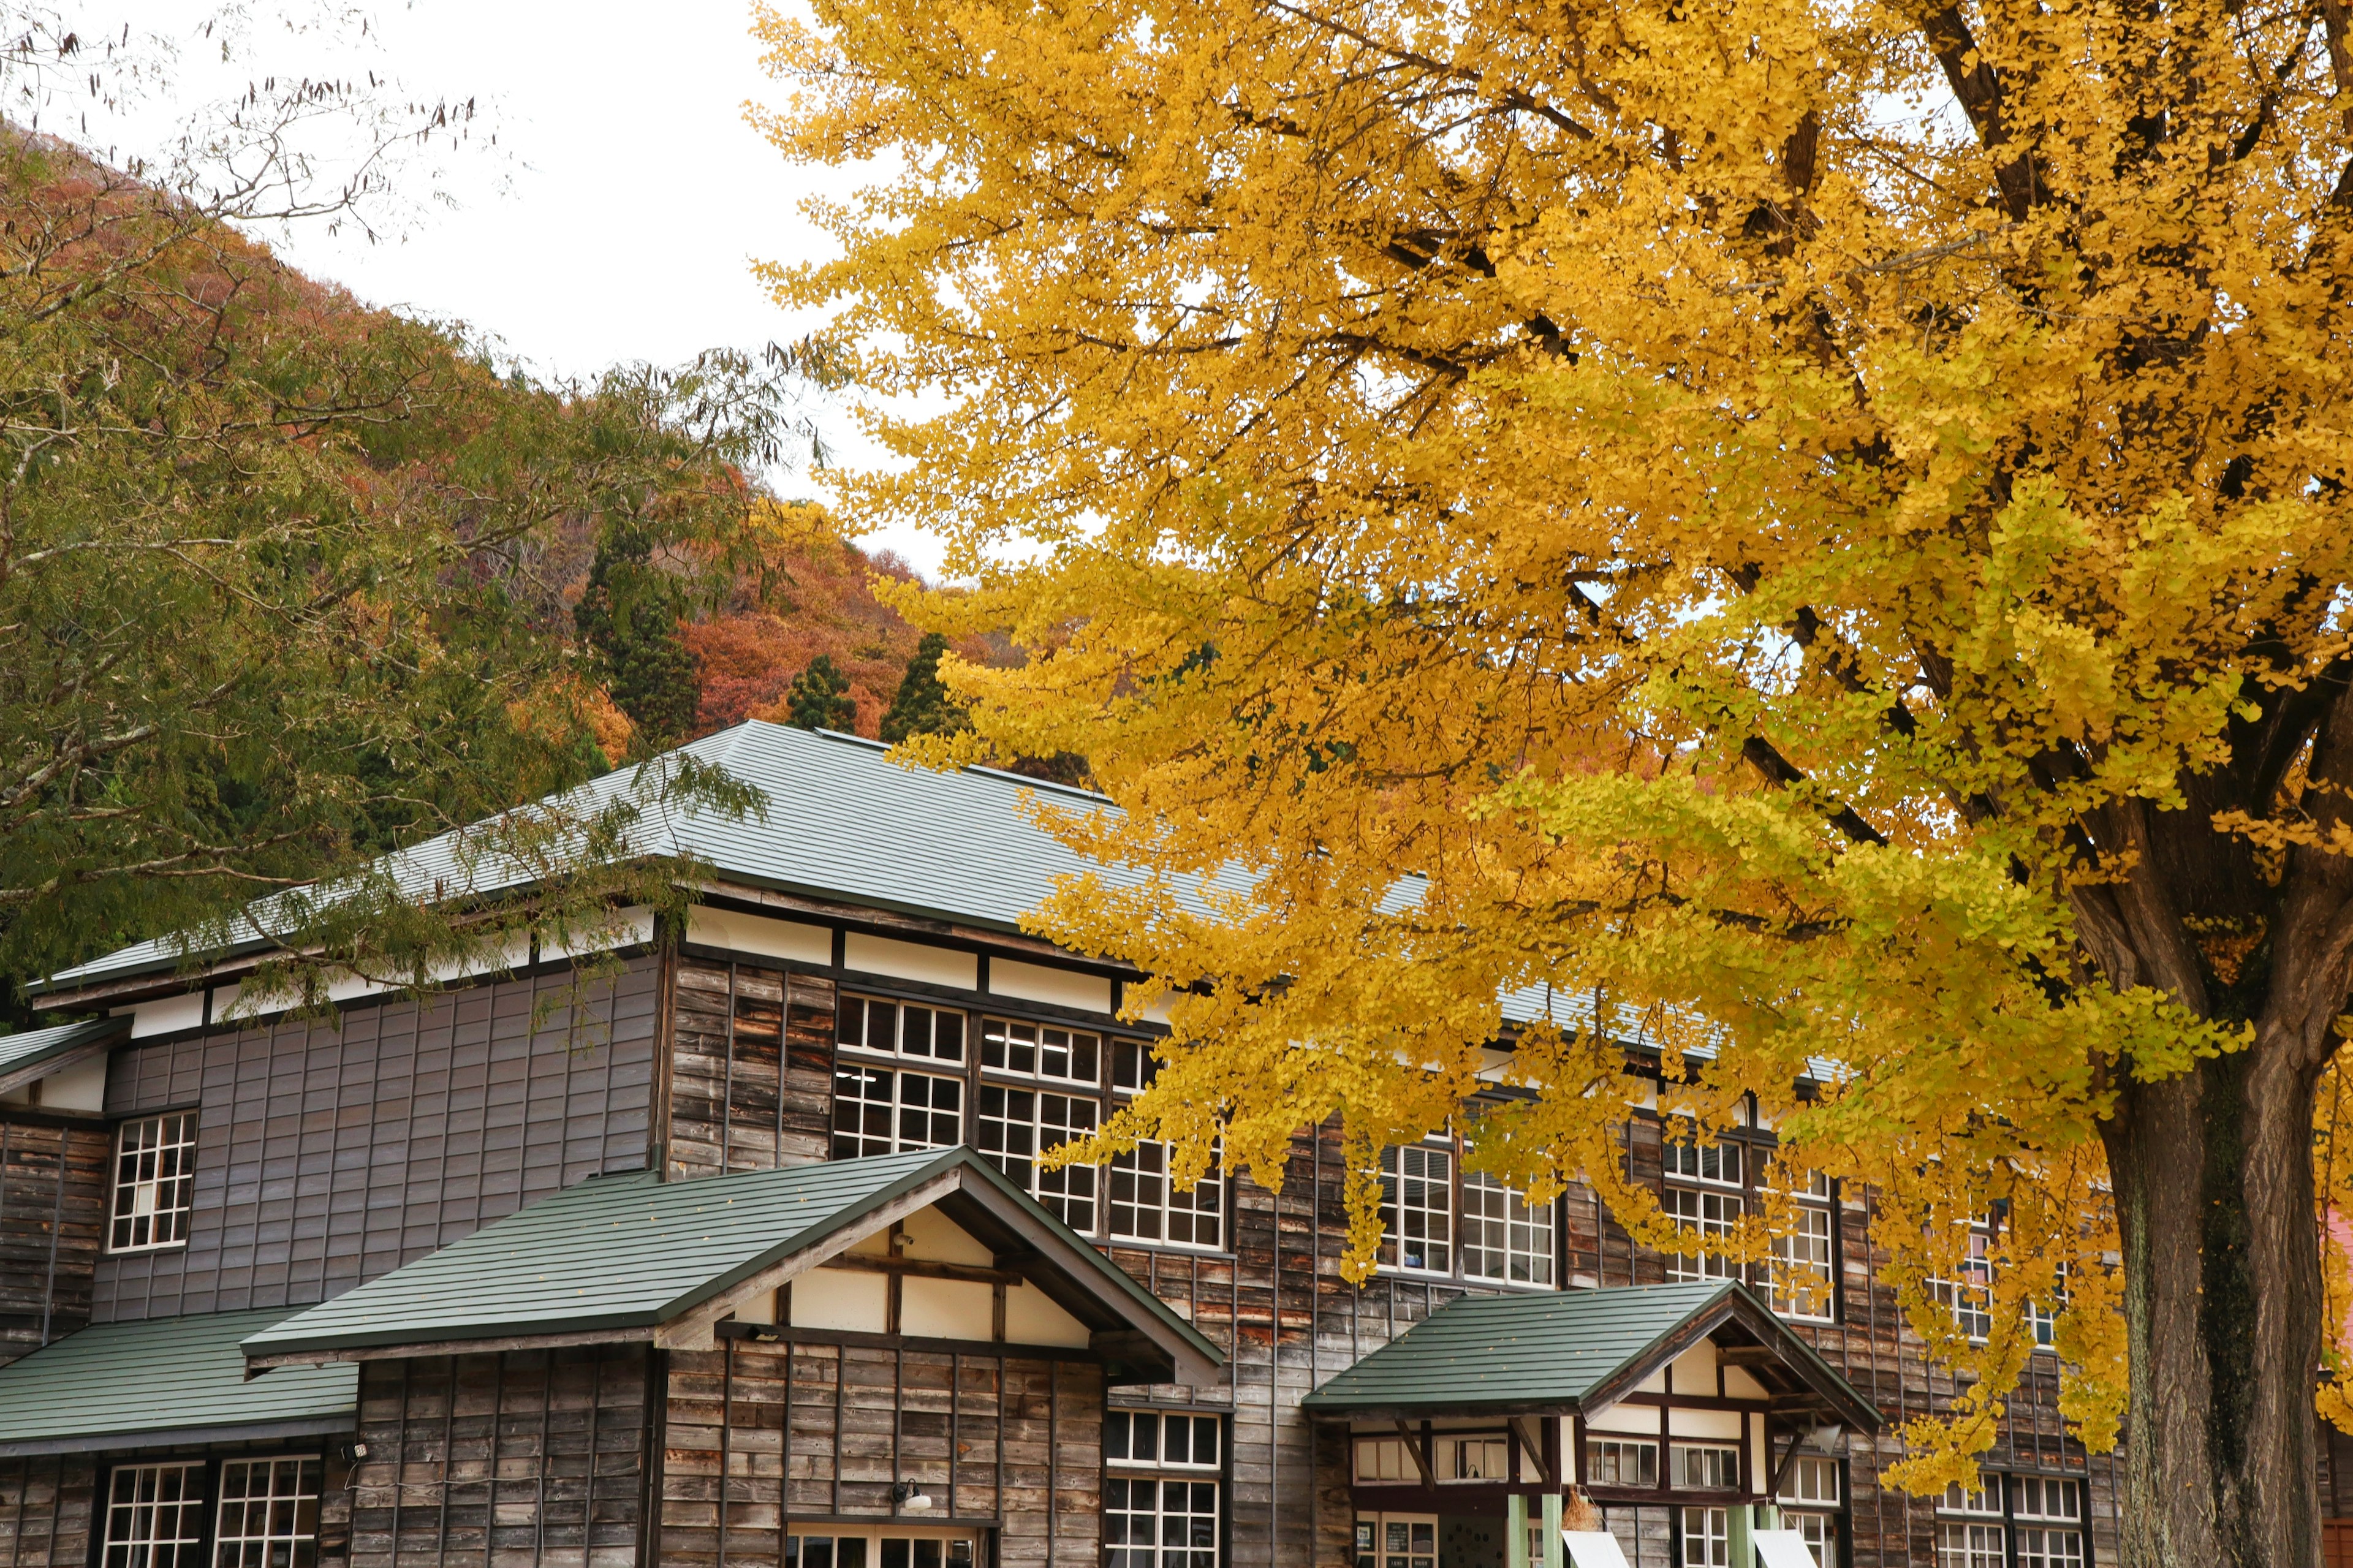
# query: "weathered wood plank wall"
(763, 1439)
(53, 1192)
(515, 1460)
(45, 1510)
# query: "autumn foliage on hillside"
(820, 602)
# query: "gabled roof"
(36, 1053)
(633, 1257)
(1575, 1352)
(158, 1382)
(842, 822)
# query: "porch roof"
(1579, 1352)
(159, 1381)
(633, 1257)
(36, 1053)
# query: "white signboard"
(1782, 1549)
(1596, 1549)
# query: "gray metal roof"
(633, 1252)
(160, 1380)
(842, 821)
(1565, 1349)
(32, 1053)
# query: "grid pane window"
(1397, 1540)
(1132, 1065)
(1962, 1545)
(1016, 1125)
(1160, 1523)
(1473, 1458)
(154, 1182)
(155, 1516)
(1505, 1238)
(1712, 1218)
(1819, 1533)
(1383, 1461)
(1040, 1050)
(1705, 1466)
(1622, 1462)
(1970, 1292)
(1707, 1538)
(2049, 1513)
(1717, 1164)
(1165, 1440)
(1801, 1265)
(1145, 1205)
(879, 1111)
(1417, 1208)
(900, 1028)
(1813, 1482)
(269, 1514)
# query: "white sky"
(621, 212)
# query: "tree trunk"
(2222, 1305)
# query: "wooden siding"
(327, 1156)
(515, 1460)
(45, 1510)
(733, 1033)
(52, 1207)
(760, 1438)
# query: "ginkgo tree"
(1820, 526)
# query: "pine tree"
(922, 705)
(821, 698)
(629, 615)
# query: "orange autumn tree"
(1827, 518)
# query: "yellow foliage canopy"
(1824, 517)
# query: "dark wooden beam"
(1413, 1445)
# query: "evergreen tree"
(821, 698)
(922, 705)
(629, 615)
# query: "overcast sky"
(623, 206)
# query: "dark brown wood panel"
(45, 1512)
(529, 1458)
(750, 1069)
(327, 1156)
(52, 1205)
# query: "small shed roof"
(632, 1256)
(157, 1382)
(36, 1053)
(1574, 1351)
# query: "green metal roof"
(34, 1052)
(160, 1380)
(633, 1252)
(1567, 1349)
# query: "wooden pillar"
(1516, 1531)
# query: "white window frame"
(1524, 1230)
(1970, 1530)
(2048, 1536)
(1454, 1454)
(897, 1047)
(1382, 1555)
(1154, 1549)
(1710, 1215)
(153, 1184)
(1683, 1158)
(1810, 1254)
(898, 1108)
(292, 1482)
(1683, 1457)
(1129, 1424)
(1137, 1184)
(1382, 1462)
(1643, 1450)
(1706, 1536)
(1407, 1175)
(1969, 1295)
(1044, 1043)
(1012, 1142)
(136, 1531)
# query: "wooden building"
(739, 1256)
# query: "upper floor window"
(1383, 1461)
(1016, 1125)
(1480, 1457)
(900, 1028)
(1803, 1253)
(1718, 1164)
(155, 1516)
(265, 1514)
(1161, 1440)
(1704, 1466)
(2048, 1512)
(1622, 1462)
(879, 1111)
(1809, 1499)
(1040, 1050)
(1145, 1204)
(154, 1182)
(1132, 1065)
(1712, 1218)
(268, 1513)
(1969, 1530)
(1417, 1208)
(1969, 1289)
(1506, 1238)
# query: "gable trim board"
(634, 1258)
(1572, 1352)
(162, 1382)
